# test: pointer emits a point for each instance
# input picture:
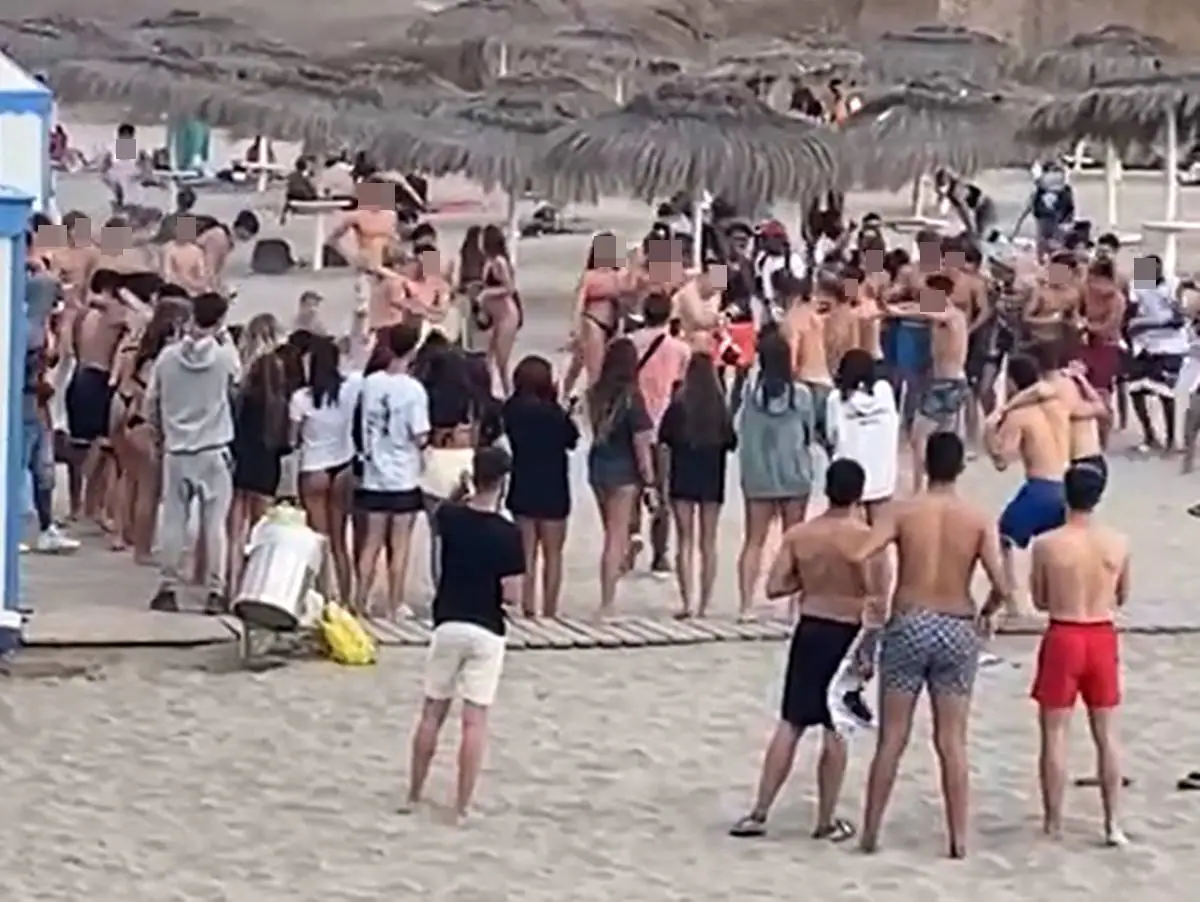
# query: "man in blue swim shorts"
(1039, 435)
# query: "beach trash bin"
(283, 563)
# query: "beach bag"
(271, 257)
(345, 638)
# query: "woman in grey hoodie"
(774, 454)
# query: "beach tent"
(26, 118)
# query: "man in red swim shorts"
(1079, 576)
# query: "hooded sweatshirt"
(866, 428)
(773, 451)
(190, 394)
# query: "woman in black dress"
(259, 445)
(697, 433)
(540, 434)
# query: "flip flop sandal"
(1126, 782)
(749, 827)
(1189, 783)
(1194, 510)
(840, 830)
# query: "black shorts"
(88, 401)
(817, 650)
(369, 501)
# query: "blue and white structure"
(15, 208)
(26, 121)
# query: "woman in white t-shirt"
(864, 426)
(322, 417)
(394, 431)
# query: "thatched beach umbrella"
(41, 42)
(1127, 110)
(901, 134)
(489, 20)
(771, 67)
(693, 137)
(1114, 51)
(494, 137)
(928, 50)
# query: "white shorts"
(464, 660)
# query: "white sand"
(611, 775)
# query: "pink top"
(662, 371)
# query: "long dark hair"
(165, 325)
(706, 419)
(266, 385)
(855, 372)
(774, 365)
(324, 372)
(534, 378)
(470, 256)
(615, 386)
(493, 242)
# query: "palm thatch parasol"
(488, 20)
(691, 137)
(927, 50)
(901, 134)
(1113, 51)
(37, 43)
(1126, 110)
(771, 67)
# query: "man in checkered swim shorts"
(934, 635)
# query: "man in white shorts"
(482, 563)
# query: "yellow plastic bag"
(345, 638)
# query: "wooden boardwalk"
(621, 632)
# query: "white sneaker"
(52, 541)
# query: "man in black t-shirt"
(482, 564)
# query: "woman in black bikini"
(467, 281)
(499, 304)
(597, 310)
(133, 437)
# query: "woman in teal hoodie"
(775, 434)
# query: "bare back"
(806, 334)
(940, 539)
(842, 330)
(1042, 436)
(1080, 573)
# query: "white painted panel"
(6, 325)
(22, 153)
(14, 78)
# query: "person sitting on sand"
(1079, 576)
(815, 562)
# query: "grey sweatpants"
(204, 477)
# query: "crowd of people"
(782, 350)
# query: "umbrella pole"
(619, 89)
(1112, 181)
(502, 65)
(698, 231)
(1171, 248)
(1080, 150)
(513, 228)
(918, 196)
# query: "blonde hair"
(262, 335)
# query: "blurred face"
(933, 300)
(739, 243)
(1145, 269)
(604, 249)
(114, 239)
(929, 255)
(1059, 273)
(955, 260)
(125, 149)
(873, 260)
(851, 287)
(51, 236)
(659, 263)
(381, 195)
(81, 231)
(185, 228)
(431, 263)
(717, 276)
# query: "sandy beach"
(610, 775)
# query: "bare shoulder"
(1114, 543)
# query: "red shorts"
(1077, 659)
(1103, 362)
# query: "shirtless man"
(1040, 436)
(1104, 306)
(697, 306)
(431, 292)
(91, 338)
(934, 635)
(970, 295)
(837, 597)
(1054, 302)
(375, 229)
(912, 353)
(119, 167)
(216, 241)
(946, 391)
(843, 323)
(804, 326)
(76, 260)
(1079, 576)
(183, 261)
(392, 300)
